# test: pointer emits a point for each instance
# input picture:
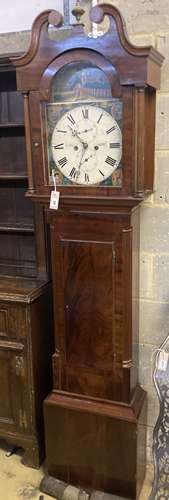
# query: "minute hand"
(76, 134)
(80, 163)
(86, 130)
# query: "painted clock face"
(86, 144)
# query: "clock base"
(58, 489)
(97, 445)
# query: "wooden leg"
(33, 456)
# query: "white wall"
(18, 15)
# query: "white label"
(54, 199)
(163, 361)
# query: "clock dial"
(86, 144)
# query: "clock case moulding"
(95, 417)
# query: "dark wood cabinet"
(25, 296)
(25, 374)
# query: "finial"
(78, 11)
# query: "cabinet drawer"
(12, 320)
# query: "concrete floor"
(18, 482)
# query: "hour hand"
(75, 134)
(84, 131)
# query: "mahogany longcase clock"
(90, 120)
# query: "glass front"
(84, 129)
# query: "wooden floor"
(18, 482)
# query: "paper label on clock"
(163, 361)
(54, 200)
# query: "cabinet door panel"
(88, 270)
(6, 406)
(12, 321)
(12, 415)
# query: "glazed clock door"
(86, 145)
(89, 272)
(84, 128)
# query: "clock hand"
(76, 134)
(83, 131)
(86, 159)
(80, 163)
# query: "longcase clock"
(90, 115)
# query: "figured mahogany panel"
(88, 290)
(91, 289)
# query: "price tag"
(163, 361)
(54, 200)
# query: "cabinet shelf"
(13, 177)
(11, 125)
(17, 234)
(16, 228)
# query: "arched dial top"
(86, 144)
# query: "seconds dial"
(87, 144)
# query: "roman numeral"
(114, 145)
(100, 117)
(85, 113)
(111, 130)
(86, 178)
(59, 146)
(71, 119)
(73, 173)
(101, 173)
(62, 131)
(62, 162)
(110, 161)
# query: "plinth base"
(97, 445)
(58, 489)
